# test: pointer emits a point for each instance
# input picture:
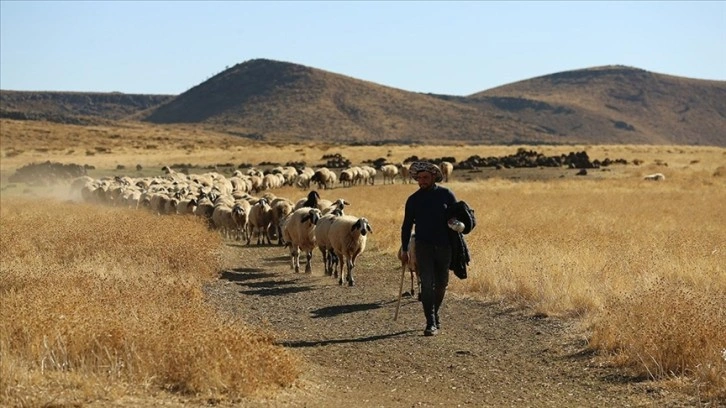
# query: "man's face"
(425, 179)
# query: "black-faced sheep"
(310, 201)
(298, 231)
(322, 240)
(325, 178)
(348, 235)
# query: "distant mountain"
(623, 105)
(75, 107)
(280, 101)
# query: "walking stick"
(400, 290)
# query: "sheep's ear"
(355, 226)
(346, 202)
(305, 218)
(368, 227)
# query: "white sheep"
(303, 181)
(240, 216)
(281, 208)
(446, 169)
(322, 229)
(655, 177)
(405, 176)
(223, 220)
(298, 231)
(390, 171)
(327, 206)
(370, 177)
(348, 235)
(259, 220)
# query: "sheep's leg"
(267, 235)
(309, 256)
(350, 266)
(295, 258)
(338, 266)
(325, 260)
(341, 274)
(333, 264)
(280, 241)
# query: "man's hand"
(404, 257)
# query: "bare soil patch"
(355, 354)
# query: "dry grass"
(640, 264)
(100, 303)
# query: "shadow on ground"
(314, 343)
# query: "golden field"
(640, 265)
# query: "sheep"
(77, 185)
(310, 201)
(186, 206)
(303, 181)
(240, 216)
(446, 169)
(281, 208)
(347, 177)
(325, 178)
(322, 229)
(299, 233)
(655, 177)
(403, 169)
(259, 221)
(370, 177)
(223, 220)
(326, 206)
(348, 235)
(204, 209)
(390, 171)
(411, 266)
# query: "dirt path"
(486, 355)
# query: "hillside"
(74, 107)
(279, 101)
(633, 104)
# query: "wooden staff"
(400, 290)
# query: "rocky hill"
(279, 101)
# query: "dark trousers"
(432, 263)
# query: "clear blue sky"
(454, 48)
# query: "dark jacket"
(459, 251)
(459, 254)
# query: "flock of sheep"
(228, 205)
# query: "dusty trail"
(486, 355)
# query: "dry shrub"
(99, 303)
(669, 328)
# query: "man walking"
(428, 210)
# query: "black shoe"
(431, 330)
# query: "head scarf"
(419, 166)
